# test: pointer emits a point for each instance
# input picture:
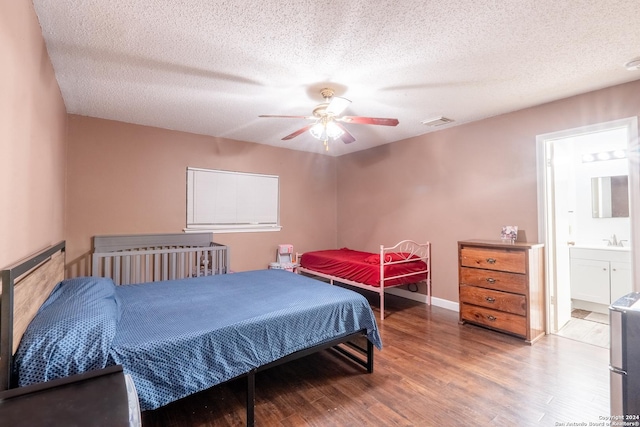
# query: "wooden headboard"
(25, 286)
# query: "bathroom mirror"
(610, 196)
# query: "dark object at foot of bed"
(83, 399)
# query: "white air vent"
(437, 121)
(633, 65)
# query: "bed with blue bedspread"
(179, 337)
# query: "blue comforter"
(179, 337)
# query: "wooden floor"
(431, 372)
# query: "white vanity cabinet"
(620, 279)
(600, 275)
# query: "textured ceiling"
(212, 67)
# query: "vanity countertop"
(602, 247)
(601, 253)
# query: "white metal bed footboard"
(130, 259)
(408, 250)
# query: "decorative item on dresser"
(502, 286)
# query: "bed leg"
(369, 357)
(382, 305)
(251, 397)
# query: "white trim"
(416, 296)
(544, 234)
(236, 229)
(542, 192)
(444, 303)
(634, 190)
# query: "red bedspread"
(362, 267)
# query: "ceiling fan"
(328, 122)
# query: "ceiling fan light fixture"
(323, 130)
(327, 115)
(333, 130)
(318, 131)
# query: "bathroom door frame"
(546, 208)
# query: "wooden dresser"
(502, 286)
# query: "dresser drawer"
(494, 259)
(503, 301)
(495, 319)
(509, 282)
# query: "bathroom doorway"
(589, 248)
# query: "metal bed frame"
(342, 345)
(409, 248)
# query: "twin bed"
(177, 337)
(405, 263)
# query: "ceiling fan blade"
(286, 117)
(369, 120)
(337, 105)
(346, 137)
(298, 132)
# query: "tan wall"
(125, 178)
(32, 137)
(460, 183)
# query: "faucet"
(614, 241)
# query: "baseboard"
(416, 296)
(445, 303)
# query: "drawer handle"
(490, 299)
(491, 260)
(492, 318)
(491, 280)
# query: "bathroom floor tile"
(598, 317)
(586, 331)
